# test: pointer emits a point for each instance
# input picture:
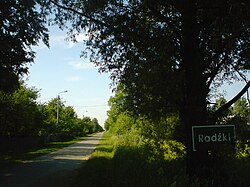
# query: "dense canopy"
(169, 55)
(21, 26)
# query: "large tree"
(21, 26)
(19, 112)
(170, 55)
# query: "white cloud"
(78, 38)
(54, 41)
(40, 46)
(81, 37)
(81, 65)
(70, 44)
(62, 40)
(57, 38)
(73, 78)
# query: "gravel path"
(54, 169)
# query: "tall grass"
(115, 163)
(119, 162)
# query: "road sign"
(212, 136)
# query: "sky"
(60, 68)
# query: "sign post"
(213, 136)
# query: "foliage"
(165, 54)
(124, 165)
(121, 119)
(242, 109)
(28, 127)
(21, 115)
(68, 123)
(240, 114)
(239, 111)
(157, 140)
(221, 101)
(88, 125)
(19, 112)
(118, 164)
(50, 111)
(10, 156)
(96, 126)
(168, 55)
(243, 150)
(155, 136)
(167, 58)
(118, 104)
(22, 26)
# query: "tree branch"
(219, 112)
(81, 14)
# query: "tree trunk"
(194, 109)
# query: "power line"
(91, 105)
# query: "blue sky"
(60, 68)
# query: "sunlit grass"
(114, 164)
(105, 148)
(14, 157)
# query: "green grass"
(113, 165)
(14, 157)
(106, 147)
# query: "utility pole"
(58, 105)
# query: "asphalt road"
(54, 169)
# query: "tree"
(118, 104)
(240, 118)
(88, 126)
(97, 127)
(50, 112)
(166, 52)
(220, 102)
(241, 108)
(67, 121)
(19, 112)
(67, 124)
(170, 55)
(21, 26)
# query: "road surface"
(54, 169)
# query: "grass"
(112, 165)
(13, 157)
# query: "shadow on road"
(54, 169)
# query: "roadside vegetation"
(168, 61)
(29, 128)
(113, 164)
(21, 115)
(26, 123)
(15, 156)
(136, 151)
(171, 58)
